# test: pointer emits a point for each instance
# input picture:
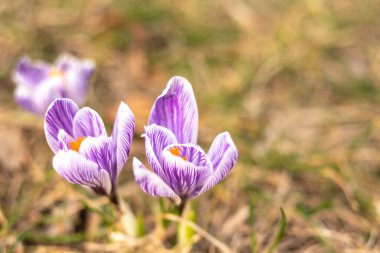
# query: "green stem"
(114, 198)
(126, 215)
(181, 207)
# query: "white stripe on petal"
(157, 138)
(78, 170)
(122, 135)
(100, 150)
(105, 181)
(149, 182)
(64, 140)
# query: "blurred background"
(296, 83)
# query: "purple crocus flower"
(180, 167)
(84, 153)
(39, 83)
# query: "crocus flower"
(84, 153)
(181, 168)
(39, 83)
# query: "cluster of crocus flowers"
(39, 83)
(181, 168)
(84, 153)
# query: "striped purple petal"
(64, 140)
(122, 135)
(87, 122)
(149, 182)
(187, 168)
(156, 139)
(176, 110)
(78, 170)
(59, 115)
(100, 150)
(223, 155)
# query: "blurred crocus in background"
(84, 153)
(39, 83)
(181, 168)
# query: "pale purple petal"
(30, 73)
(122, 135)
(186, 177)
(88, 68)
(59, 115)
(45, 94)
(77, 75)
(176, 109)
(223, 155)
(65, 61)
(68, 63)
(149, 182)
(24, 97)
(100, 150)
(87, 122)
(77, 170)
(37, 99)
(157, 138)
(76, 87)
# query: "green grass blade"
(280, 233)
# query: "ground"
(296, 83)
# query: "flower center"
(54, 72)
(75, 145)
(176, 151)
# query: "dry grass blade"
(217, 243)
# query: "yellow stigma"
(176, 151)
(75, 145)
(54, 72)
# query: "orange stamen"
(54, 72)
(75, 145)
(176, 151)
